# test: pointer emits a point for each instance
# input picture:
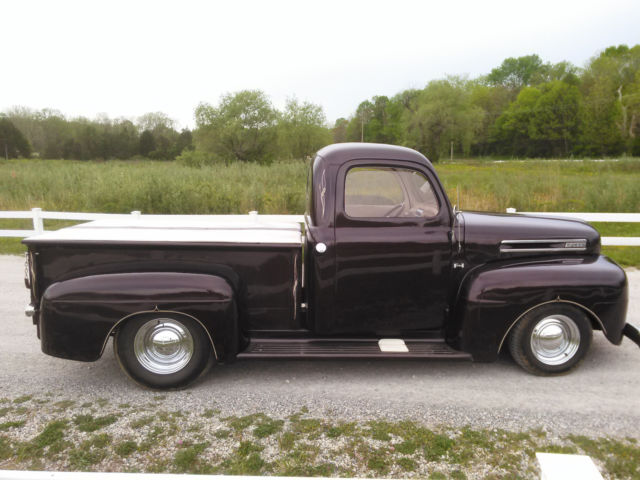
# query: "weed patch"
(89, 423)
(7, 425)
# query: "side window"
(379, 192)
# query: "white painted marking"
(394, 345)
(557, 466)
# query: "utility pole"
(362, 128)
(452, 150)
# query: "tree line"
(49, 134)
(525, 107)
(522, 108)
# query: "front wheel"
(163, 350)
(551, 339)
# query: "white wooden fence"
(596, 217)
(38, 216)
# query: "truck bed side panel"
(265, 278)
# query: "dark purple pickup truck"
(381, 267)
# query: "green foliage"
(9, 425)
(541, 121)
(443, 113)
(525, 108)
(23, 399)
(197, 159)
(89, 423)
(187, 459)
(301, 130)
(242, 127)
(126, 448)
(13, 143)
(378, 121)
(52, 135)
(172, 188)
(515, 73)
(52, 433)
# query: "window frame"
(343, 219)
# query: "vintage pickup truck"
(382, 267)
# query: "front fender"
(493, 297)
(78, 315)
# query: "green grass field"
(172, 188)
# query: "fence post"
(38, 225)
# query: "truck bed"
(263, 257)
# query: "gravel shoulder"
(599, 399)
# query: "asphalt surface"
(601, 397)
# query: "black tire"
(551, 340)
(148, 352)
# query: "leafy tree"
(28, 121)
(302, 129)
(511, 131)
(555, 122)
(339, 130)
(155, 121)
(611, 87)
(379, 120)
(515, 73)
(492, 101)
(443, 114)
(358, 128)
(543, 121)
(12, 142)
(147, 143)
(242, 127)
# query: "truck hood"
(494, 236)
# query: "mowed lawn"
(172, 188)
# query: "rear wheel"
(163, 350)
(551, 339)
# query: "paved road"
(600, 398)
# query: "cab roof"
(339, 153)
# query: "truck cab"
(379, 243)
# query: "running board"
(350, 348)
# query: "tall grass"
(538, 186)
(171, 188)
(151, 187)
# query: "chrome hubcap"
(163, 346)
(555, 339)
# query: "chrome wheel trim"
(555, 339)
(163, 346)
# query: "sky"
(126, 58)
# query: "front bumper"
(631, 333)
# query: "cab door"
(392, 249)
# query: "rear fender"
(492, 298)
(78, 315)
